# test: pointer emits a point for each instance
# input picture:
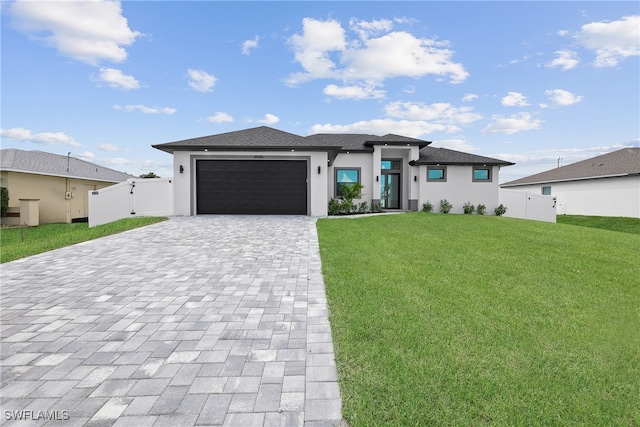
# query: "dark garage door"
(267, 187)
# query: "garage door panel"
(251, 187)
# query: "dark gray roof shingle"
(43, 163)
(265, 138)
(617, 163)
(262, 137)
(444, 156)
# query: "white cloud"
(269, 119)
(247, 45)
(115, 79)
(370, 58)
(566, 59)
(454, 144)
(514, 99)
(144, 109)
(562, 97)
(220, 117)
(612, 41)
(353, 92)
(116, 161)
(366, 29)
(312, 48)
(87, 155)
(46, 138)
(410, 128)
(108, 147)
(512, 124)
(468, 97)
(440, 112)
(201, 80)
(89, 31)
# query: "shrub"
(445, 206)
(375, 207)
(334, 207)
(363, 207)
(468, 208)
(500, 210)
(4, 200)
(427, 207)
(480, 210)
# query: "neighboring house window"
(482, 174)
(546, 191)
(346, 176)
(437, 173)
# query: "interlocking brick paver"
(220, 320)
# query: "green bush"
(427, 207)
(481, 209)
(4, 202)
(445, 207)
(500, 210)
(468, 208)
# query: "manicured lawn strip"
(468, 320)
(623, 224)
(47, 237)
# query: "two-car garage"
(251, 186)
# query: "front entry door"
(390, 190)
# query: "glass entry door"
(390, 190)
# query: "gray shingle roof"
(262, 137)
(444, 156)
(43, 163)
(266, 138)
(618, 163)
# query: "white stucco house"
(267, 171)
(606, 185)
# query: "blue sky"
(527, 82)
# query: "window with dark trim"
(437, 173)
(481, 174)
(546, 190)
(346, 176)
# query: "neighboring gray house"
(267, 171)
(60, 183)
(606, 185)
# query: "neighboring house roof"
(444, 156)
(43, 163)
(623, 162)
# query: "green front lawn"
(47, 237)
(483, 320)
(623, 224)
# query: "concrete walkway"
(196, 321)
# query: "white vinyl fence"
(134, 197)
(527, 205)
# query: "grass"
(622, 224)
(47, 237)
(482, 320)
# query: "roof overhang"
(420, 144)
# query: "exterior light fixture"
(415, 178)
(319, 170)
(377, 178)
(181, 169)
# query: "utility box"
(30, 212)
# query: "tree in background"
(149, 175)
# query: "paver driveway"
(207, 320)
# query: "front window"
(482, 174)
(546, 191)
(437, 173)
(346, 176)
